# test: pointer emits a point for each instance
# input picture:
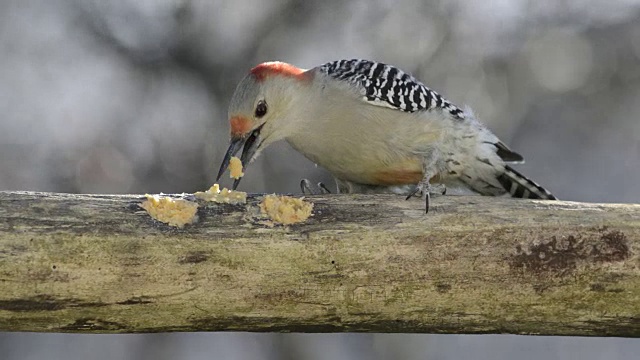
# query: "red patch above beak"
(239, 125)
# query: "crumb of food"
(285, 209)
(235, 168)
(175, 212)
(225, 195)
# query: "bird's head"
(260, 111)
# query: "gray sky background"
(129, 96)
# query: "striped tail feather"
(520, 186)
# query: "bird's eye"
(261, 108)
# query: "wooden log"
(362, 263)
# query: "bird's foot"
(321, 188)
(426, 190)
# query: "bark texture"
(99, 264)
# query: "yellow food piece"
(225, 195)
(285, 209)
(235, 168)
(175, 212)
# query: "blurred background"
(130, 96)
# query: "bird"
(375, 128)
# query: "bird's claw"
(426, 189)
(305, 186)
(323, 188)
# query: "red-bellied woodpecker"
(374, 127)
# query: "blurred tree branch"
(97, 263)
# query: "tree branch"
(97, 263)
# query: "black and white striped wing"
(387, 86)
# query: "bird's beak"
(251, 144)
(234, 147)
